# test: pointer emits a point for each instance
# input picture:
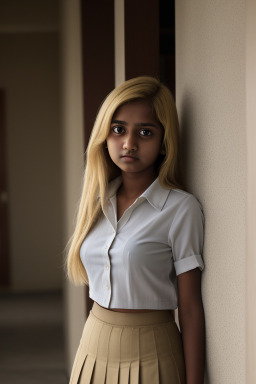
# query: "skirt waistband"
(131, 319)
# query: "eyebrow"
(138, 124)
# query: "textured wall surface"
(210, 73)
(73, 160)
(251, 192)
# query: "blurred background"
(32, 198)
(58, 61)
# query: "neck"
(134, 185)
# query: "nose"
(129, 143)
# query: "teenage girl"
(138, 245)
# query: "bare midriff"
(130, 310)
(124, 310)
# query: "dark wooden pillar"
(98, 57)
(141, 38)
(167, 43)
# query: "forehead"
(138, 110)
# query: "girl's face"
(135, 138)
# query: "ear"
(162, 151)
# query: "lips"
(128, 157)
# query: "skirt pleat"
(87, 371)
(165, 364)
(121, 348)
(149, 372)
(82, 350)
(112, 373)
(176, 352)
(99, 373)
(134, 372)
(124, 373)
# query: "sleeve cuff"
(189, 263)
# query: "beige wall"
(251, 187)
(72, 115)
(29, 74)
(210, 68)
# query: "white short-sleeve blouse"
(133, 263)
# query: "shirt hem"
(154, 305)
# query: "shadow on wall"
(191, 144)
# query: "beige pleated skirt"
(129, 348)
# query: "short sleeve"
(186, 236)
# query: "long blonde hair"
(100, 169)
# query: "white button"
(107, 287)
(106, 267)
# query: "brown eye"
(118, 130)
(145, 132)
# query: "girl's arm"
(192, 324)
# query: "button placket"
(107, 246)
(106, 270)
(106, 283)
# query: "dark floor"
(31, 339)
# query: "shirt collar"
(155, 193)
(113, 187)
